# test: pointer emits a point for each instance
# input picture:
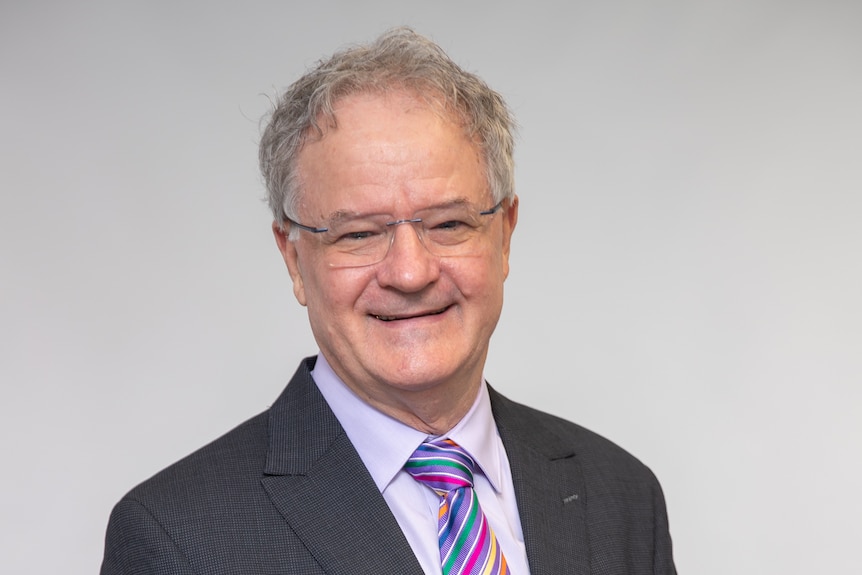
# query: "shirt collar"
(384, 444)
(477, 433)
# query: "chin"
(422, 373)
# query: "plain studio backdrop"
(685, 274)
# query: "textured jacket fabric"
(286, 493)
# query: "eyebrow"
(342, 215)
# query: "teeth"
(395, 317)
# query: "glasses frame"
(313, 230)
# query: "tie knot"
(442, 465)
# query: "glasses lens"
(357, 241)
(448, 231)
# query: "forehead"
(387, 151)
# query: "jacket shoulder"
(600, 458)
(621, 502)
(218, 481)
(197, 511)
(231, 457)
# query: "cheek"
(330, 308)
(334, 292)
(479, 278)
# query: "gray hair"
(400, 59)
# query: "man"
(389, 171)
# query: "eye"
(450, 225)
(352, 233)
(356, 236)
(449, 231)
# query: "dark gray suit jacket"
(287, 493)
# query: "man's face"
(414, 325)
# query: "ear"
(291, 258)
(510, 220)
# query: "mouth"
(410, 316)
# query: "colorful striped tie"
(467, 543)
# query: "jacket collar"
(318, 483)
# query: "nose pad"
(415, 224)
(409, 267)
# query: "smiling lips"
(399, 317)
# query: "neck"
(433, 411)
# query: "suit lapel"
(549, 489)
(317, 481)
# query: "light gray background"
(685, 275)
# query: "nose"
(408, 266)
